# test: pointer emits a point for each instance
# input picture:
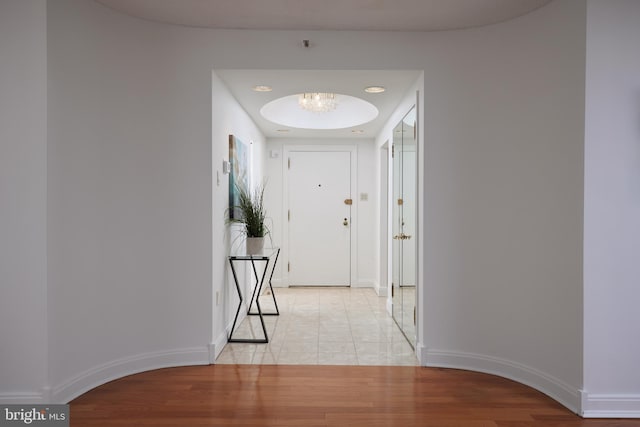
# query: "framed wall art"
(239, 174)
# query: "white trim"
(381, 290)
(610, 405)
(212, 353)
(363, 284)
(553, 387)
(421, 352)
(18, 398)
(219, 345)
(119, 368)
(279, 283)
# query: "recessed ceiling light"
(282, 130)
(357, 131)
(374, 89)
(262, 88)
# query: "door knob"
(345, 222)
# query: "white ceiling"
(394, 15)
(288, 82)
(385, 15)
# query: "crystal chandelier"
(318, 102)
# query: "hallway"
(323, 326)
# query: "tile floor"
(322, 326)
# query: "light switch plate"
(226, 167)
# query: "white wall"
(612, 210)
(23, 170)
(366, 210)
(129, 200)
(503, 199)
(130, 193)
(228, 118)
(503, 131)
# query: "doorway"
(319, 211)
(366, 237)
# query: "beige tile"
(372, 360)
(235, 358)
(297, 358)
(408, 360)
(369, 336)
(302, 335)
(239, 348)
(266, 358)
(331, 358)
(297, 346)
(330, 346)
(327, 326)
(336, 335)
(374, 348)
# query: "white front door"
(319, 218)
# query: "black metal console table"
(270, 258)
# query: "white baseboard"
(610, 405)
(219, 344)
(212, 353)
(421, 354)
(552, 387)
(381, 290)
(102, 374)
(279, 283)
(26, 398)
(362, 284)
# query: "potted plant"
(250, 212)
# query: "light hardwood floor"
(321, 396)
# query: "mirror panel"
(404, 219)
(396, 246)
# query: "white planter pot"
(254, 245)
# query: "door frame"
(353, 150)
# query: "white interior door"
(319, 218)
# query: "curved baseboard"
(104, 373)
(556, 389)
(24, 398)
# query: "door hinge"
(289, 163)
(288, 267)
(414, 315)
(393, 151)
(289, 215)
(392, 290)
